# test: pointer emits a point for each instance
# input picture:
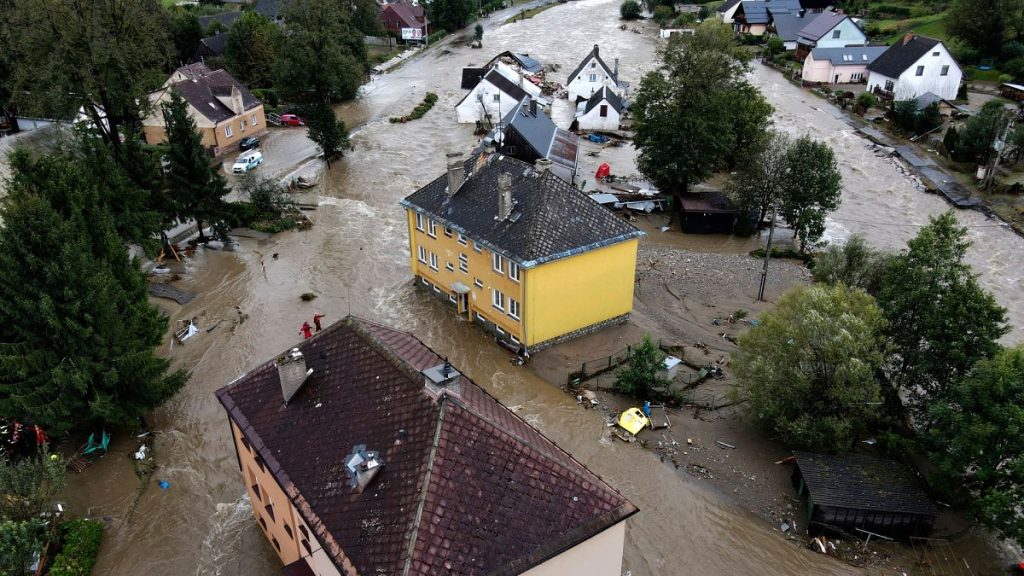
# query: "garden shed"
(857, 491)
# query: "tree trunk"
(202, 235)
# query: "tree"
(366, 17)
(977, 441)
(19, 543)
(30, 485)
(640, 378)
(195, 189)
(326, 130)
(759, 181)
(663, 14)
(853, 264)
(630, 10)
(750, 118)
(974, 143)
(322, 54)
(809, 367)
(478, 33)
(100, 56)
(251, 49)
(904, 115)
(774, 46)
(185, 33)
(685, 124)
(76, 329)
(928, 119)
(811, 190)
(951, 140)
(451, 14)
(979, 23)
(940, 320)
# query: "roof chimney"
(362, 466)
(456, 173)
(236, 100)
(542, 165)
(596, 50)
(907, 38)
(291, 369)
(505, 203)
(615, 71)
(533, 107)
(443, 378)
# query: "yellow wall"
(576, 292)
(212, 137)
(599, 556)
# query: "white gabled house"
(499, 90)
(603, 111)
(726, 10)
(914, 66)
(590, 76)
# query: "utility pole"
(998, 145)
(767, 256)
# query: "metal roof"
(818, 27)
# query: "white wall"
(727, 15)
(909, 85)
(582, 86)
(470, 111)
(849, 35)
(593, 120)
(599, 556)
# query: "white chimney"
(443, 378)
(456, 173)
(505, 203)
(291, 369)
(237, 106)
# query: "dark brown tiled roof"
(551, 219)
(471, 489)
(205, 85)
(862, 482)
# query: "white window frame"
(513, 308)
(451, 298)
(919, 71)
(448, 231)
(227, 131)
(497, 97)
(477, 247)
(480, 317)
(423, 254)
(431, 228)
(420, 219)
(253, 120)
(498, 328)
(593, 78)
(498, 263)
(513, 339)
(513, 271)
(463, 262)
(433, 262)
(449, 266)
(478, 283)
(497, 299)
(461, 239)
(425, 282)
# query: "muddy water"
(355, 260)
(881, 204)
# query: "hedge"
(417, 112)
(436, 36)
(80, 546)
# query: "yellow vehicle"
(633, 420)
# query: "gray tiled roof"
(787, 26)
(820, 26)
(604, 94)
(225, 19)
(901, 56)
(857, 55)
(546, 139)
(727, 5)
(861, 482)
(202, 90)
(551, 219)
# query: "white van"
(247, 161)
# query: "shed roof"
(594, 53)
(215, 44)
(849, 55)
(902, 55)
(551, 219)
(467, 487)
(819, 26)
(706, 202)
(862, 482)
(1013, 86)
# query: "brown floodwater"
(355, 260)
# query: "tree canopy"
(696, 112)
(940, 320)
(326, 130)
(853, 263)
(640, 378)
(251, 49)
(76, 330)
(759, 180)
(811, 190)
(322, 54)
(808, 368)
(450, 15)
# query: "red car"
(291, 120)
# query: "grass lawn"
(932, 26)
(533, 11)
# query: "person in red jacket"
(316, 320)
(307, 331)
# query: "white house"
(846, 65)
(590, 76)
(603, 111)
(727, 9)
(913, 66)
(498, 91)
(828, 30)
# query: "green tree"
(640, 377)
(749, 122)
(663, 14)
(979, 23)
(103, 56)
(630, 10)
(760, 180)
(251, 50)
(811, 190)
(808, 368)
(30, 485)
(977, 442)
(451, 14)
(775, 45)
(326, 130)
(195, 188)
(685, 124)
(940, 320)
(322, 54)
(366, 17)
(185, 33)
(904, 115)
(928, 119)
(478, 33)
(76, 330)
(951, 140)
(853, 264)
(19, 543)
(974, 143)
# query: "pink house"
(847, 65)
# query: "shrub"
(422, 108)
(867, 100)
(267, 95)
(640, 379)
(1013, 49)
(630, 10)
(663, 14)
(1015, 68)
(775, 46)
(437, 35)
(81, 544)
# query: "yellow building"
(519, 250)
(224, 110)
(363, 452)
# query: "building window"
(253, 120)
(604, 110)
(433, 262)
(463, 262)
(480, 317)
(888, 85)
(447, 231)
(276, 544)
(256, 491)
(288, 531)
(419, 222)
(423, 254)
(246, 445)
(920, 71)
(593, 77)
(513, 271)
(935, 53)
(945, 71)
(513, 339)
(497, 97)
(270, 510)
(303, 531)
(477, 247)
(836, 33)
(462, 240)
(431, 229)
(498, 328)
(593, 64)
(499, 263)
(259, 462)
(451, 298)
(424, 280)
(448, 266)
(227, 131)
(263, 523)
(513, 308)
(436, 289)
(498, 300)
(243, 125)
(478, 283)
(309, 549)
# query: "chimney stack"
(504, 195)
(907, 38)
(443, 378)
(596, 50)
(542, 165)
(533, 107)
(291, 369)
(237, 106)
(456, 173)
(615, 71)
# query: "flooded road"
(355, 260)
(883, 205)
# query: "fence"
(605, 364)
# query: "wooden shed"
(1013, 92)
(707, 213)
(859, 491)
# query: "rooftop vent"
(505, 203)
(456, 173)
(291, 368)
(362, 466)
(442, 378)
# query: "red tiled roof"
(471, 489)
(412, 15)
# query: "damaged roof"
(546, 139)
(525, 62)
(551, 219)
(862, 482)
(467, 487)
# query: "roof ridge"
(425, 486)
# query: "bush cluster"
(81, 544)
(437, 35)
(418, 111)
